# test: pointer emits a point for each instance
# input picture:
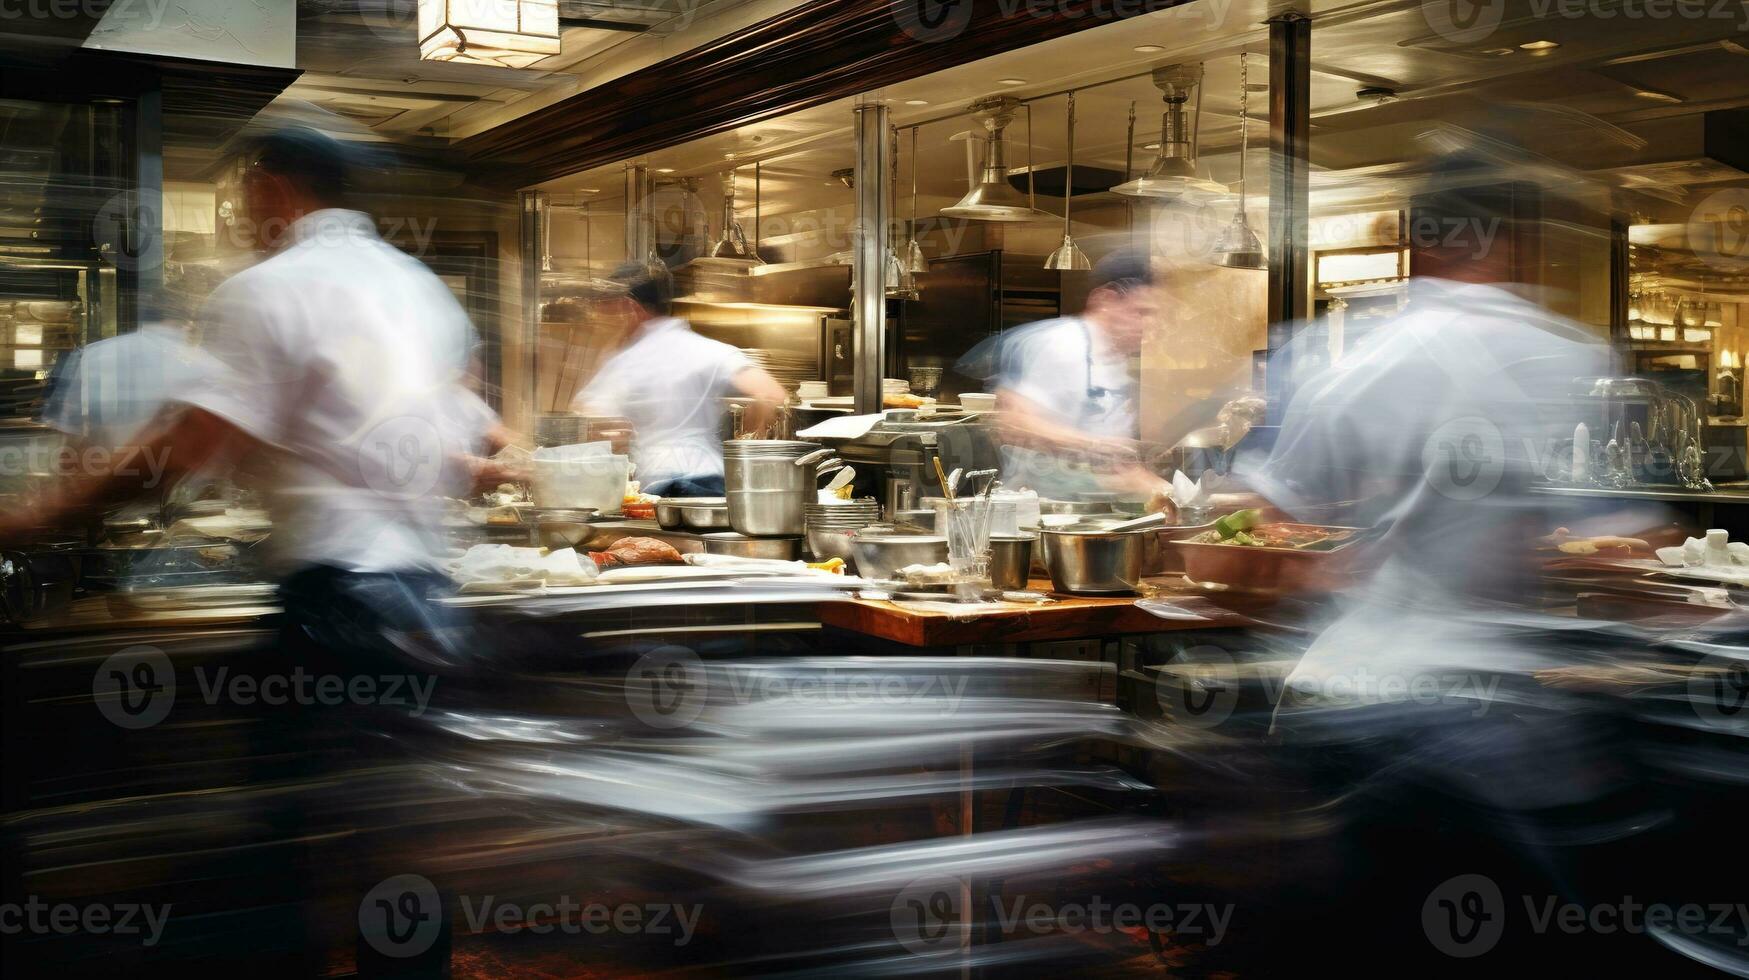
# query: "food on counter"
(903, 401)
(1241, 528)
(1566, 543)
(637, 551)
(502, 563)
(940, 573)
(833, 565)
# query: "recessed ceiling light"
(916, 101)
(1540, 45)
(1646, 93)
(1011, 81)
(1149, 48)
(728, 156)
(664, 170)
(1150, 146)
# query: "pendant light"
(733, 244)
(758, 213)
(1238, 246)
(1069, 257)
(915, 261)
(897, 275)
(1174, 172)
(992, 197)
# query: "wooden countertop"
(1065, 618)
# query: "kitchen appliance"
(991, 197)
(895, 461)
(1175, 173)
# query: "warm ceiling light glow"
(916, 101)
(1149, 48)
(664, 170)
(503, 33)
(1011, 81)
(1540, 45)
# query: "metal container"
(768, 513)
(880, 556)
(1085, 508)
(768, 473)
(1011, 561)
(827, 543)
(704, 513)
(1096, 562)
(741, 546)
(563, 528)
(668, 513)
(1273, 570)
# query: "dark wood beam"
(1290, 127)
(813, 54)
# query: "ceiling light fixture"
(916, 101)
(1539, 45)
(1238, 247)
(992, 198)
(1149, 48)
(915, 261)
(1011, 81)
(1068, 257)
(1174, 173)
(504, 34)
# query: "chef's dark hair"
(1123, 270)
(318, 164)
(651, 287)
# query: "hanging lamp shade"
(992, 197)
(1174, 172)
(1238, 247)
(1068, 257)
(502, 33)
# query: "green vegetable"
(1238, 522)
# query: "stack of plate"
(830, 526)
(789, 367)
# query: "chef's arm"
(767, 395)
(1026, 423)
(180, 441)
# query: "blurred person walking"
(670, 382)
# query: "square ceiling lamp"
(502, 33)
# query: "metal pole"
(535, 217)
(1290, 122)
(870, 251)
(638, 238)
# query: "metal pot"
(741, 546)
(1011, 561)
(1081, 507)
(1096, 562)
(773, 473)
(768, 513)
(880, 556)
(668, 513)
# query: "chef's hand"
(488, 474)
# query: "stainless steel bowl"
(827, 542)
(768, 513)
(705, 514)
(562, 528)
(880, 556)
(1011, 561)
(1096, 562)
(742, 546)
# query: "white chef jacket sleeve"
(1036, 367)
(259, 365)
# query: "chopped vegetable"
(1237, 522)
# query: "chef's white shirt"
(1061, 368)
(107, 392)
(341, 353)
(669, 381)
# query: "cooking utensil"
(743, 546)
(880, 556)
(814, 457)
(768, 513)
(1011, 561)
(843, 477)
(1094, 562)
